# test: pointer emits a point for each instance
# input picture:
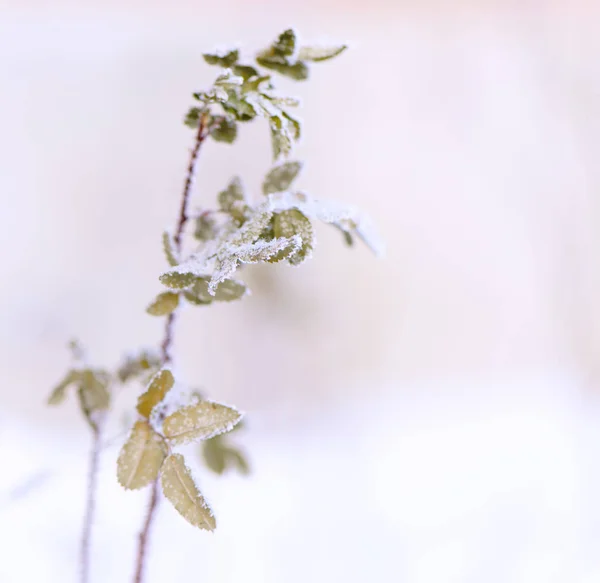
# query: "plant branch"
(167, 342)
(90, 504)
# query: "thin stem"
(167, 342)
(90, 505)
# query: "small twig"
(167, 342)
(145, 533)
(90, 504)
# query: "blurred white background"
(431, 417)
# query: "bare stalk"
(90, 505)
(168, 339)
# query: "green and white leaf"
(159, 386)
(298, 71)
(316, 54)
(141, 457)
(163, 304)
(281, 177)
(224, 59)
(233, 194)
(206, 227)
(261, 250)
(200, 421)
(347, 218)
(294, 222)
(177, 279)
(180, 489)
(227, 291)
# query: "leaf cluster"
(148, 452)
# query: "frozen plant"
(277, 227)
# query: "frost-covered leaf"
(251, 230)
(136, 365)
(163, 304)
(231, 195)
(230, 290)
(177, 280)
(180, 489)
(227, 291)
(60, 391)
(316, 54)
(285, 101)
(169, 249)
(160, 385)
(297, 71)
(281, 177)
(290, 223)
(226, 59)
(206, 227)
(238, 106)
(281, 138)
(261, 250)
(223, 129)
(228, 80)
(346, 218)
(141, 457)
(198, 294)
(202, 420)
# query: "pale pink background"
(431, 417)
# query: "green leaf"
(180, 489)
(220, 457)
(222, 60)
(141, 457)
(206, 227)
(290, 223)
(163, 304)
(281, 140)
(285, 45)
(176, 280)
(238, 106)
(245, 71)
(160, 385)
(228, 81)
(223, 129)
(227, 291)
(316, 54)
(192, 118)
(200, 421)
(60, 391)
(256, 84)
(169, 249)
(233, 194)
(297, 71)
(281, 177)
(293, 125)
